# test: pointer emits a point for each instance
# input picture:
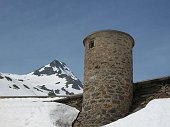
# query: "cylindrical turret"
(108, 89)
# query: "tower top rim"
(108, 30)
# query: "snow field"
(35, 113)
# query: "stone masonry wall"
(144, 92)
(73, 101)
(107, 93)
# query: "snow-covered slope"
(34, 112)
(27, 112)
(52, 79)
(155, 114)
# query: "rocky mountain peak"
(56, 63)
(55, 67)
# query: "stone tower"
(108, 88)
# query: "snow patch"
(42, 69)
(155, 114)
(24, 112)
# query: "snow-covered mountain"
(52, 79)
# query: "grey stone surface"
(107, 94)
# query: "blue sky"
(35, 32)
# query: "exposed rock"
(1, 77)
(26, 86)
(15, 87)
(8, 78)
